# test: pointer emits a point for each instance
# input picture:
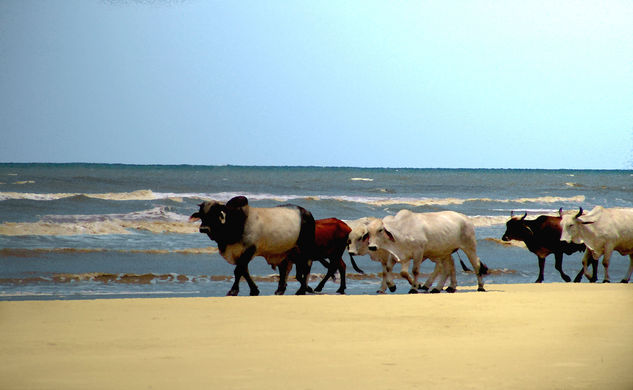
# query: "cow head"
(379, 236)
(517, 229)
(223, 223)
(572, 226)
(358, 240)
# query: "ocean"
(85, 231)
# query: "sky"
(421, 84)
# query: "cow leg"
(593, 277)
(241, 269)
(284, 269)
(630, 271)
(451, 264)
(303, 273)
(445, 270)
(383, 283)
(416, 273)
(391, 261)
(479, 267)
(328, 275)
(342, 271)
(587, 256)
(436, 271)
(387, 276)
(559, 266)
(605, 264)
(541, 270)
(235, 289)
(404, 272)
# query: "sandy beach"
(549, 336)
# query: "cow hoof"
(451, 289)
(232, 293)
(624, 281)
(318, 289)
(413, 291)
(280, 292)
(424, 288)
(435, 291)
(566, 278)
(578, 279)
(380, 291)
(538, 281)
(481, 289)
(254, 293)
(392, 288)
(606, 281)
(301, 292)
(342, 292)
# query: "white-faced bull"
(282, 235)
(602, 231)
(542, 236)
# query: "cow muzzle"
(505, 238)
(372, 248)
(205, 229)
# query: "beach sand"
(549, 336)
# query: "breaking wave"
(155, 220)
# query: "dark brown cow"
(330, 239)
(542, 237)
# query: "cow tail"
(355, 266)
(464, 267)
(306, 234)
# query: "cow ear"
(587, 222)
(524, 215)
(388, 233)
(222, 217)
(194, 217)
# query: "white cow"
(602, 231)
(419, 236)
(357, 244)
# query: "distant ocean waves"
(225, 196)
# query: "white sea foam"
(155, 220)
(361, 179)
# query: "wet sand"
(571, 336)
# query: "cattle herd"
(288, 235)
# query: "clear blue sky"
(476, 84)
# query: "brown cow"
(330, 239)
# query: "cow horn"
(524, 215)
(579, 213)
(560, 212)
(511, 213)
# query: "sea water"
(89, 230)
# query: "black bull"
(542, 237)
